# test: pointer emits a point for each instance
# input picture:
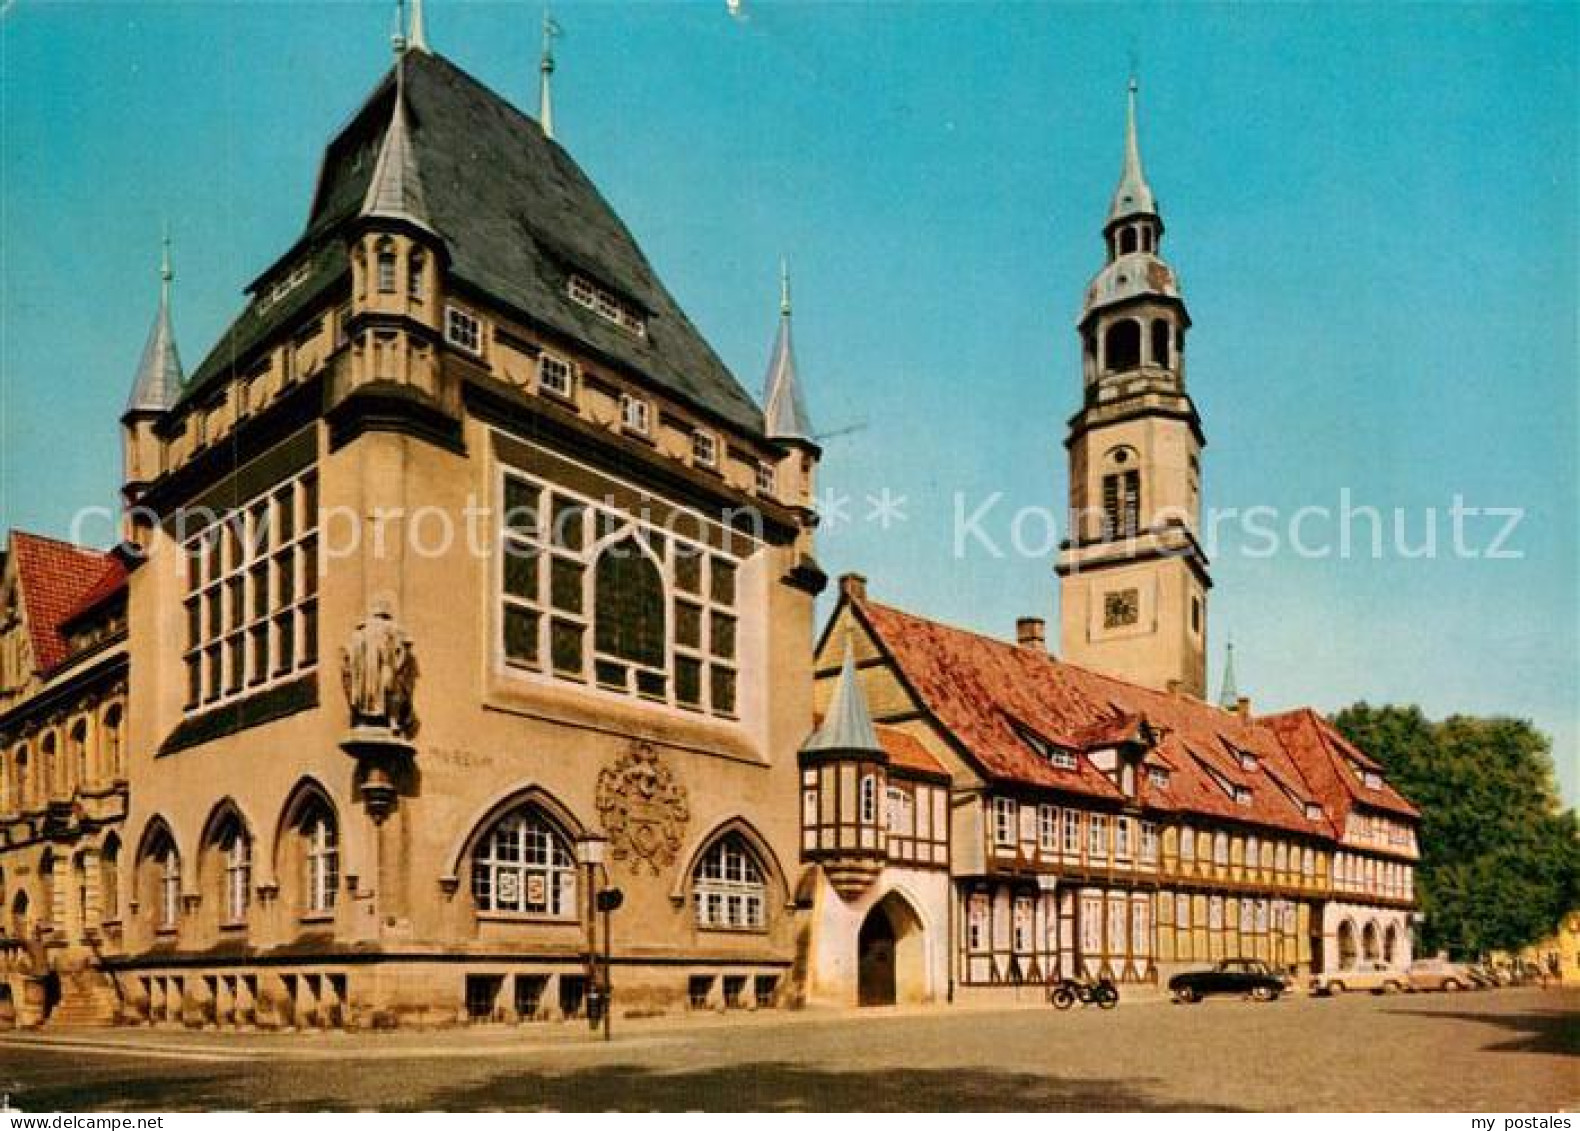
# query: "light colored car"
(1376, 977)
(1438, 974)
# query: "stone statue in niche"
(644, 808)
(378, 669)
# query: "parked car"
(1368, 974)
(1238, 976)
(1438, 974)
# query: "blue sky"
(1373, 210)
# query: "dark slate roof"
(518, 216)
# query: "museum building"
(299, 756)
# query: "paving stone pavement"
(1507, 1050)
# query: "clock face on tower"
(1122, 607)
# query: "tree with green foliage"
(1500, 858)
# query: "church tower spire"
(1133, 577)
(546, 76)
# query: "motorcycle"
(1065, 992)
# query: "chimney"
(853, 586)
(1032, 632)
(1176, 687)
(1242, 707)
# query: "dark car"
(1240, 976)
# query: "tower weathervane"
(551, 31)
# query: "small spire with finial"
(1134, 195)
(551, 31)
(784, 408)
(1229, 693)
(417, 36)
(784, 286)
(159, 379)
(398, 35)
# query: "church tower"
(1133, 576)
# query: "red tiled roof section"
(975, 685)
(906, 752)
(111, 584)
(54, 577)
(1324, 756)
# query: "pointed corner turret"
(159, 379)
(784, 406)
(847, 727)
(395, 189)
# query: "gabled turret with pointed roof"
(784, 407)
(847, 727)
(395, 190)
(157, 384)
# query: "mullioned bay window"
(591, 595)
(252, 595)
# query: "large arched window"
(320, 857)
(1127, 241)
(24, 780)
(230, 868)
(728, 890)
(1390, 943)
(628, 604)
(1160, 342)
(523, 865)
(159, 878)
(1122, 346)
(21, 921)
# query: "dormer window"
(1056, 756)
(1371, 779)
(1242, 795)
(704, 449)
(285, 284)
(1247, 761)
(1157, 777)
(1313, 811)
(606, 304)
(635, 414)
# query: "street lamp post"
(590, 852)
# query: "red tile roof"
(906, 752)
(54, 577)
(978, 688)
(110, 585)
(1326, 759)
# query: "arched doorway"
(1390, 944)
(21, 927)
(891, 961)
(1369, 943)
(1346, 945)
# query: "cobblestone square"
(1509, 1050)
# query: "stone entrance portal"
(890, 956)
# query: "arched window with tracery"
(159, 879)
(628, 605)
(728, 888)
(321, 857)
(228, 869)
(523, 865)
